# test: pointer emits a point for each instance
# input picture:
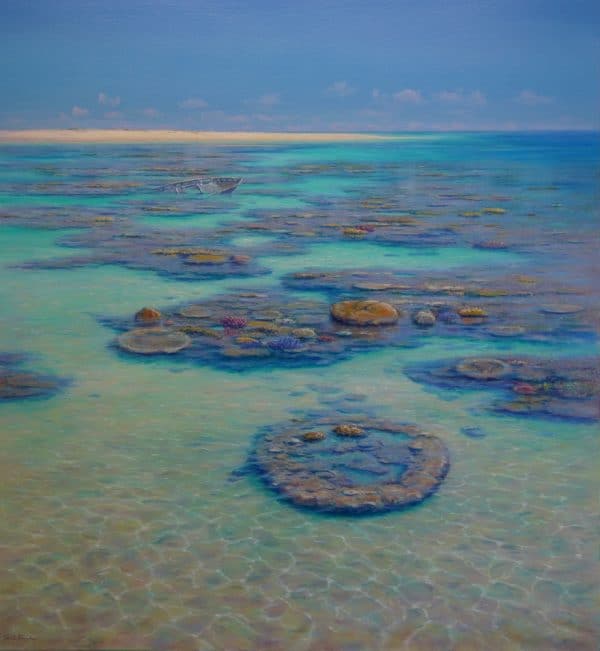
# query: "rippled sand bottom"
(123, 530)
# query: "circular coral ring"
(561, 308)
(153, 341)
(483, 368)
(506, 330)
(389, 467)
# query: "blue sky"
(304, 65)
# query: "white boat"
(206, 185)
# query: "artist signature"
(16, 636)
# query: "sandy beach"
(177, 136)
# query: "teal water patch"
(251, 241)
(364, 255)
(21, 245)
(259, 202)
(72, 202)
(198, 220)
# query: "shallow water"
(123, 525)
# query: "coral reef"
(483, 368)
(560, 388)
(153, 341)
(364, 313)
(389, 466)
(349, 429)
(16, 383)
(285, 344)
(238, 330)
(424, 318)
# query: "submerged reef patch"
(369, 465)
(342, 221)
(16, 383)
(241, 329)
(186, 255)
(391, 217)
(471, 303)
(562, 388)
(56, 218)
(245, 328)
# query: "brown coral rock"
(313, 435)
(348, 429)
(472, 312)
(148, 315)
(364, 313)
(207, 258)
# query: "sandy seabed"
(39, 136)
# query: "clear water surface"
(122, 526)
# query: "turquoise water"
(123, 526)
(353, 255)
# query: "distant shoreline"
(141, 136)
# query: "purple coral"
(284, 344)
(231, 322)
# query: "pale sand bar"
(116, 136)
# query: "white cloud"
(340, 89)
(449, 96)
(193, 103)
(380, 96)
(107, 100)
(263, 117)
(530, 98)
(269, 99)
(478, 98)
(150, 112)
(408, 96)
(266, 101)
(14, 120)
(475, 98)
(371, 113)
(113, 115)
(238, 119)
(79, 112)
(217, 118)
